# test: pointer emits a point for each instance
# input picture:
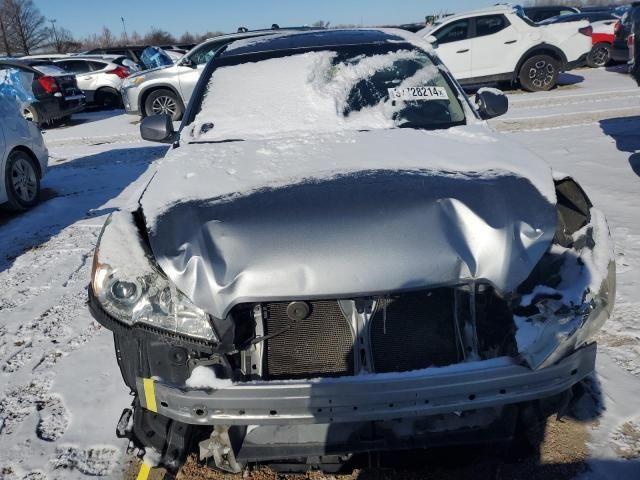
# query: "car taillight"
(588, 30)
(49, 84)
(120, 72)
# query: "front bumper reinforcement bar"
(369, 397)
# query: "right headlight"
(131, 288)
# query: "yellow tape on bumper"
(143, 474)
(150, 394)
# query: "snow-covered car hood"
(347, 215)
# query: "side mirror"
(158, 128)
(491, 103)
(432, 40)
(187, 62)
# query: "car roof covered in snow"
(316, 39)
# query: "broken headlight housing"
(131, 288)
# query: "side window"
(453, 31)
(75, 66)
(204, 53)
(490, 24)
(97, 65)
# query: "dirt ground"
(563, 455)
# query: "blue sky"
(84, 17)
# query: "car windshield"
(325, 91)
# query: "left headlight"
(132, 289)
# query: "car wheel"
(30, 113)
(163, 102)
(21, 181)
(539, 73)
(599, 55)
(108, 99)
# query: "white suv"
(502, 44)
(99, 76)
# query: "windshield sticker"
(418, 93)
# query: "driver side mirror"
(158, 128)
(187, 62)
(491, 103)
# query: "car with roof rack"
(338, 255)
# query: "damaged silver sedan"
(338, 255)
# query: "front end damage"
(320, 378)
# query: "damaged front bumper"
(368, 397)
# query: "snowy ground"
(60, 388)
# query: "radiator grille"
(416, 332)
(319, 346)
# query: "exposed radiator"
(321, 345)
(414, 330)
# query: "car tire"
(30, 113)
(539, 73)
(163, 101)
(108, 99)
(599, 55)
(22, 181)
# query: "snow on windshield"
(325, 92)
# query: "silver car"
(168, 89)
(339, 256)
(23, 157)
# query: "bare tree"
(187, 37)
(61, 40)
(157, 36)
(106, 38)
(8, 41)
(26, 24)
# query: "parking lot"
(61, 387)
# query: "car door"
(496, 46)
(453, 46)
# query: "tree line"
(25, 31)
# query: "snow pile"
(205, 377)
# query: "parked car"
(99, 76)
(55, 93)
(168, 89)
(620, 48)
(602, 36)
(538, 14)
(23, 156)
(529, 54)
(336, 246)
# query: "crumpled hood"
(348, 215)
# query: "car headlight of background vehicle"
(133, 81)
(132, 289)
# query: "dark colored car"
(576, 17)
(537, 14)
(620, 48)
(55, 92)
